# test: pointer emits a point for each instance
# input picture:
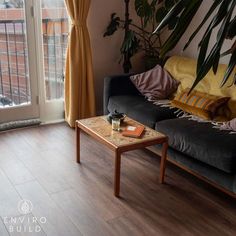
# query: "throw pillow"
(155, 84)
(200, 104)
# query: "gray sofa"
(204, 151)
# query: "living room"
(116, 118)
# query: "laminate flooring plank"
(9, 197)
(83, 215)
(3, 229)
(78, 199)
(57, 223)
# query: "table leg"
(163, 161)
(77, 144)
(117, 174)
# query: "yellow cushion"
(183, 69)
(200, 104)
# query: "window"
(55, 32)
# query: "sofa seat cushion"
(202, 142)
(138, 108)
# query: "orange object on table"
(133, 131)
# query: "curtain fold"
(79, 83)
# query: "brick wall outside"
(13, 53)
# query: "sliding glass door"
(33, 39)
(18, 80)
(53, 30)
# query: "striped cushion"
(200, 104)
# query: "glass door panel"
(55, 33)
(52, 33)
(14, 72)
(17, 86)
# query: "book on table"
(133, 131)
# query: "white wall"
(106, 51)
(192, 50)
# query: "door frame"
(50, 110)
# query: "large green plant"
(221, 14)
(139, 37)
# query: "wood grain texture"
(43, 206)
(9, 197)
(77, 143)
(117, 174)
(3, 229)
(79, 200)
(163, 161)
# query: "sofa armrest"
(117, 85)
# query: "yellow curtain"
(79, 84)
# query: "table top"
(99, 127)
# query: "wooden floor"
(38, 164)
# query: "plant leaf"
(173, 23)
(160, 14)
(204, 70)
(211, 10)
(130, 44)
(154, 3)
(212, 57)
(227, 52)
(232, 29)
(230, 68)
(112, 26)
(184, 21)
(205, 40)
(141, 7)
(169, 4)
(222, 33)
(222, 11)
(207, 35)
(143, 10)
(174, 11)
(216, 61)
(203, 52)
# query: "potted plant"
(140, 37)
(221, 13)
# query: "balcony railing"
(14, 76)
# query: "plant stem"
(126, 64)
(137, 27)
(159, 39)
(146, 41)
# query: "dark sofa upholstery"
(195, 146)
(139, 108)
(202, 142)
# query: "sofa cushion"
(200, 104)
(138, 108)
(155, 84)
(202, 142)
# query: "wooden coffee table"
(100, 129)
